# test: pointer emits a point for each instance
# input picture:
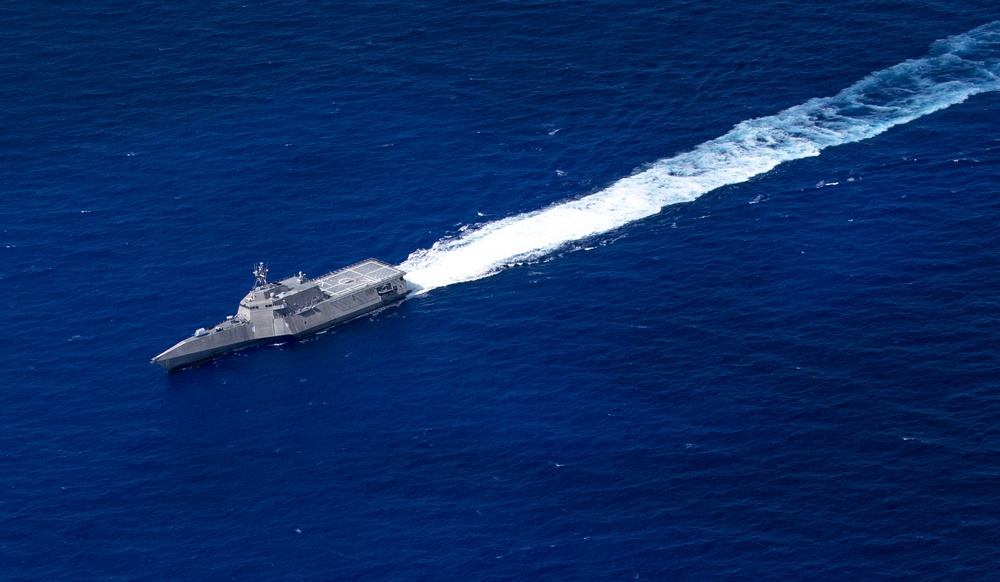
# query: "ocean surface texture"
(704, 290)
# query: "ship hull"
(177, 360)
(293, 308)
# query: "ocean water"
(702, 290)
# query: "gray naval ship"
(296, 306)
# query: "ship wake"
(956, 68)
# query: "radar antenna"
(260, 271)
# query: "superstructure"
(296, 306)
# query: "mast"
(260, 271)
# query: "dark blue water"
(708, 291)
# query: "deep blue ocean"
(703, 290)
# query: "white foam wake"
(957, 68)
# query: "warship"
(296, 306)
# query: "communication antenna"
(260, 271)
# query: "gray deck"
(350, 279)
